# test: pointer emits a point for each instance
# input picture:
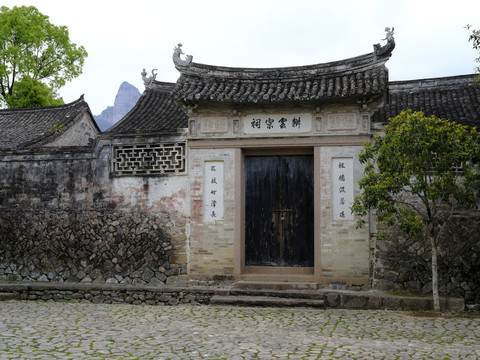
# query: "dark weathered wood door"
(279, 210)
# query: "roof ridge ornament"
(177, 60)
(386, 50)
(148, 80)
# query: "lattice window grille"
(146, 159)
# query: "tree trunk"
(436, 298)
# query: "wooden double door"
(279, 211)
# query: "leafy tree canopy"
(418, 173)
(475, 39)
(31, 93)
(410, 172)
(30, 46)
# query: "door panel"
(279, 210)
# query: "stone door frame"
(287, 145)
(265, 273)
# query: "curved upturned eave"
(359, 63)
(357, 78)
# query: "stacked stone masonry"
(88, 246)
(404, 263)
(134, 297)
(130, 206)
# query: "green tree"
(475, 39)
(31, 93)
(418, 174)
(30, 46)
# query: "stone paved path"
(47, 330)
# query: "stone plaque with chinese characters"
(342, 182)
(277, 124)
(213, 197)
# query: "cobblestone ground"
(47, 330)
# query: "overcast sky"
(124, 36)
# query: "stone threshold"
(173, 295)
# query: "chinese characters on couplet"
(275, 124)
(342, 181)
(213, 197)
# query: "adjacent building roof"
(158, 110)
(155, 111)
(456, 98)
(363, 77)
(36, 127)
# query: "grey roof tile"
(34, 127)
(155, 111)
(456, 98)
(360, 77)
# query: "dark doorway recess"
(279, 211)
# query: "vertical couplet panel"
(214, 190)
(342, 186)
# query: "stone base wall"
(115, 296)
(404, 264)
(126, 247)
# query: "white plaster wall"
(152, 193)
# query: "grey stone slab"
(265, 301)
(8, 296)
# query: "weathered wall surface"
(404, 263)
(63, 217)
(57, 180)
(86, 246)
(344, 248)
(212, 238)
(81, 134)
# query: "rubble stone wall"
(63, 218)
(87, 246)
(404, 264)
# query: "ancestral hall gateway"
(273, 167)
(238, 174)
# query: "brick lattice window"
(149, 159)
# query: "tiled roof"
(155, 111)
(455, 98)
(360, 77)
(34, 127)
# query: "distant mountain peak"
(126, 98)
